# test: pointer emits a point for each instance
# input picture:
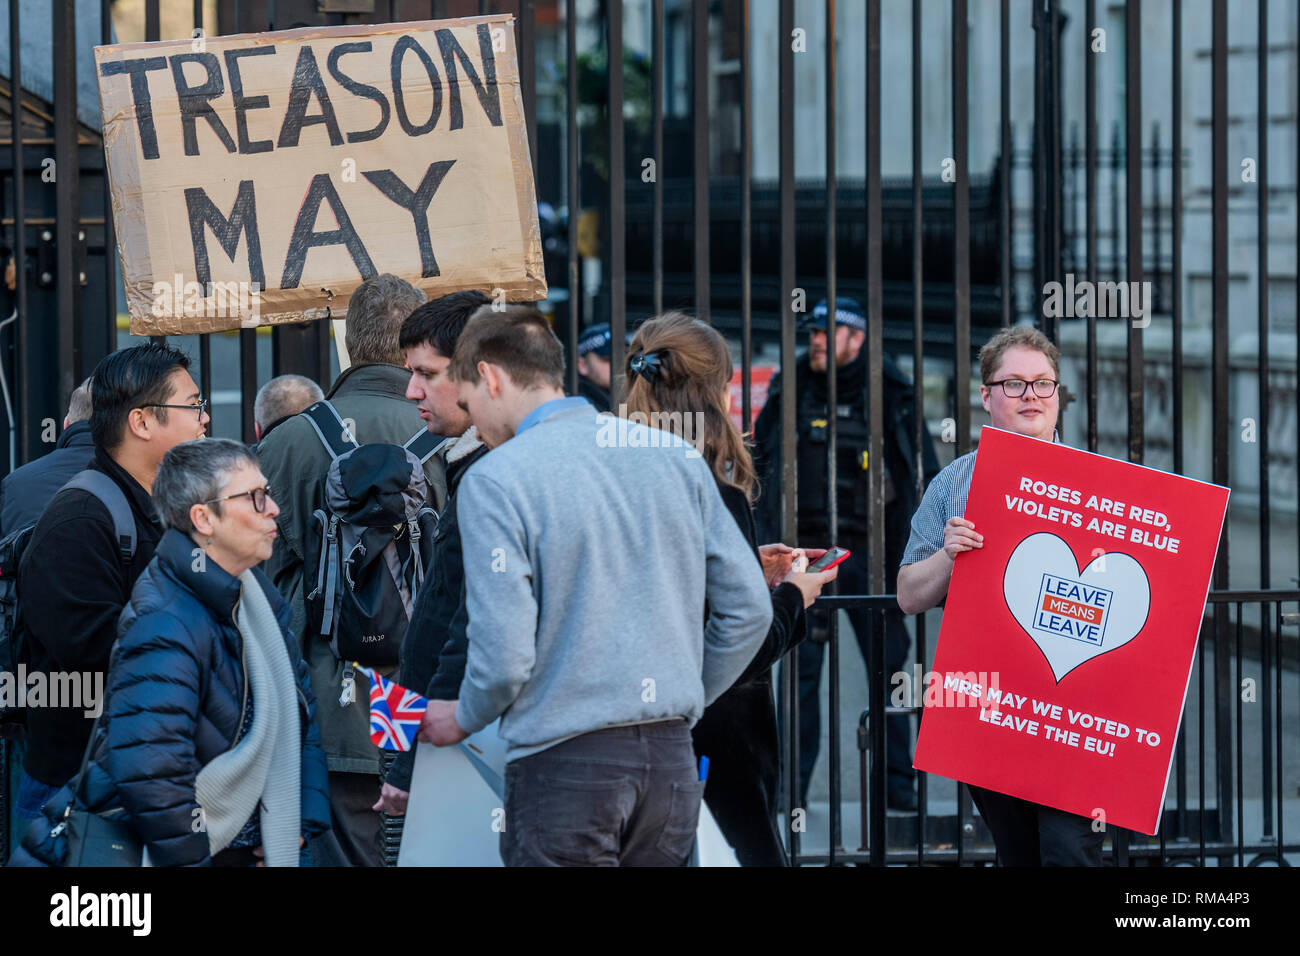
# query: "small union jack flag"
(395, 712)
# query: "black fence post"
(68, 235)
(789, 461)
(1219, 388)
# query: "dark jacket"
(437, 640)
(596, 394)
(899, 449)
(738, 731)
(175, 702)
(295, 462)
(26, 491)
(74, 585)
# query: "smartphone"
(828, 560)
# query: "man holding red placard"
(1020, 371)
(1071, 621)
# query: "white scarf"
(263, 769)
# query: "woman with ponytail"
(679, 372)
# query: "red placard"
(1068, 639)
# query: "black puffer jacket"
(175, 702)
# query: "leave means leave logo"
(1074, 615)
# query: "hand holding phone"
(829, 560)
(808, 579)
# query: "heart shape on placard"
(1072, 615)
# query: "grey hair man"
(370, 398)
(281, 398)
(79, 405)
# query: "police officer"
(852, 444)
(594, 365)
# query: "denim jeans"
(29, 797)
(622, 796)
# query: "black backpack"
(14, 656)
(367, 551)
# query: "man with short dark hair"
(433, 652)
(73, 578)
(597, 676)
(27, 490)
(368, 396)
(281, 398)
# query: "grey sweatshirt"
(590, 547)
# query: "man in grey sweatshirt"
(591, 546)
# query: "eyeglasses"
(258, 495)
(201, 407)
(1014, 387)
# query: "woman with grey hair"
(211, 745)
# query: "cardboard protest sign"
(1068, 639)
(260, 178)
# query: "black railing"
(1205, 813)
(937, 253)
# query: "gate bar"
(20, 226)
(657, 109)
(789, 461)
(700, 166)
(571, 193)
(67, 202)
(617, 209)
(1090, 214)
(1133, 216)
(746, 225)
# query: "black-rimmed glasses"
(201, 407)
(257, 495)
(1015, 387)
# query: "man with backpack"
(339, 583)
(433, 654)
(93, 540)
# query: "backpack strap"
(114, 499)
(424, 445)
(332, 555)
(325, 420)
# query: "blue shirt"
(547, 409)
(945, 498)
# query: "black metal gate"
(938, 262)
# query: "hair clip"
(647, 365)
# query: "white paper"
(457, 808)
